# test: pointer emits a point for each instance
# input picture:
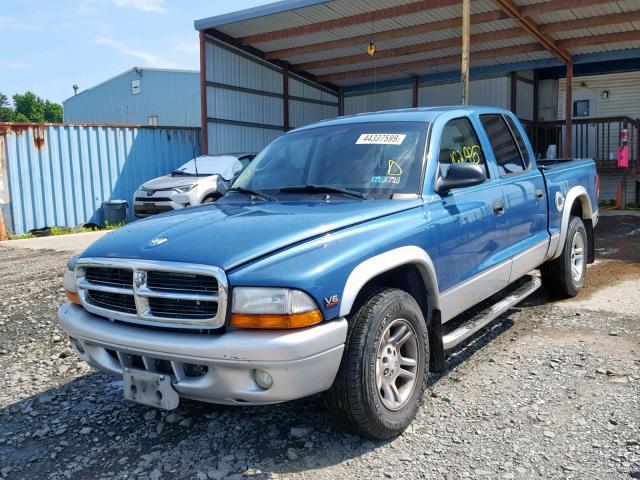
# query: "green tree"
(52, 112)
(30, 105)
(6, 113)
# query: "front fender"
(340, 263)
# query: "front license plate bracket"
(150, 388)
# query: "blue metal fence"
(59, 175)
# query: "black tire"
(354, 397)
(209, 199)
(558, 276)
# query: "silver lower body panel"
(301, 362)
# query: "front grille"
(117, 277)
(165, 294)
(181, 282)
(118, 302)
(152, 199)
(152, 209)
(175, 308)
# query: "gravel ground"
(550, 390)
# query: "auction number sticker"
(381, 139)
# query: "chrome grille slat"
(153, 293)
(82, 283)
(146, 292)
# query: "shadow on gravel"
(86, 429)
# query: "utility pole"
(466, 28)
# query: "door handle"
(539, 194)
(498, 208)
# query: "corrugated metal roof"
(276, 17)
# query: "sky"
(50, 45)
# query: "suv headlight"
(69, 281)
(184, 188)
(273, 308)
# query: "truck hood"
(227, 235)
(167, 182)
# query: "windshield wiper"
(324, 189)
(253, 193)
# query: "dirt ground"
(549, 390)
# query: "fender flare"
(575, 193)
(384, 262)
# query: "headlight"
(273, 308)
(69, 281)
(184, 188)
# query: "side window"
(504, 146)
(520, 141)
(459, 144)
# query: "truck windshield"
(376, 160)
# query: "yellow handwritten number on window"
(467, 155)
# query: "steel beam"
(411, 68)
(568, 113)
(464, 65)
(590, 22)
(532, 27)
(413, 49)
(440, 25)
(204, 134)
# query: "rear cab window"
(522, 145)
(505, 149)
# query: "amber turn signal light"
(73, 297)
(277, 321)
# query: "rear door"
(468, 225)
(524, 193)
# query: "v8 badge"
(331, 301)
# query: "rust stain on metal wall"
(38, 137)
(12, 128)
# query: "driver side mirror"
(461, 175)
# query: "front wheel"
(564, 276)
(383, 370)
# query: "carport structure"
(322, 44)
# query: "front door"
(469, 227)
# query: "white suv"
(201, 180)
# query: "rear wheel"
(383, 370)
(564, 276)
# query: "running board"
(481, 320)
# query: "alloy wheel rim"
(577, 257)
(397, 364)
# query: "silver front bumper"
(155, 204)
(301, 362)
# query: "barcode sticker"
(381, 139)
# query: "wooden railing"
(596, 138)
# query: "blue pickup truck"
(334, 264)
